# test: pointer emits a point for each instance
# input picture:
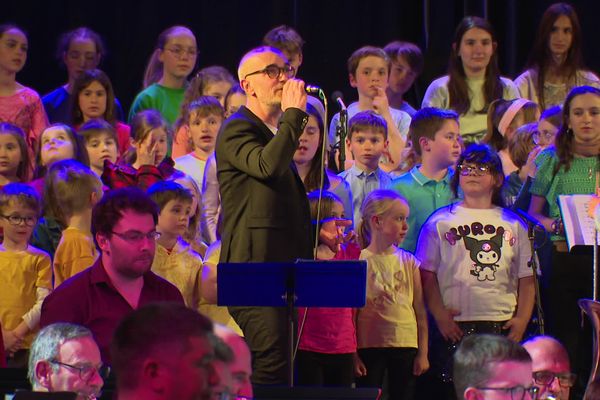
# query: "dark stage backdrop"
(225, 29)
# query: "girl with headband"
(504, 118)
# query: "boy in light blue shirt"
(367, 141)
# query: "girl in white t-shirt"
(391, 329)
(555, 64)
(474, 257)
(473, 79)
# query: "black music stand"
(315, 393)
(304, 283)
(27, 395)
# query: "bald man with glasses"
(266, 216)
(551, 367)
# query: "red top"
(330, 330)
(123, 137)
(90, 299)
(38, 186)
(117, 176)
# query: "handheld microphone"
(312, 89)
(338, 97)
(316, 91)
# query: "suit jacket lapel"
(268, 135)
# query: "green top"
(165, 100)
(580, 179)
(424, 196)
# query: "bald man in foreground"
(241, 365)
(551, 367)
(266, 216)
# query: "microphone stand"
(533, 264)
(342, 132)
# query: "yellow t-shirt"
(183, 268)
(218, 314)
(388, 319)
(21, 273)
(76, 251)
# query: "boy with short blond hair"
(435, 138)
(76, 189)
(175, 260)
(367, 140)
(368, 72)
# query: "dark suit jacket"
(266, 215)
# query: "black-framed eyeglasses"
(178, 52)
(274, 71)
(477, 170)
(137, 236)
(517, 392)
(86, 372)
(546, 378)
(17, 220)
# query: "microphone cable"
(320, 95)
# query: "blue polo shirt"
(424, 196)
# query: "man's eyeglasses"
(477, 170)
(86, 372)
(17, 220)
(517, 392)
(274, 71)
(546, 378)
(178, 52)
(136, 236)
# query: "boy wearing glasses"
(66, 358)
(266, 216)
(120, 281)
(492, 367)
(474, 256)
(435, 137)
(25, 271)
(368, 71)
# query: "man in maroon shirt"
(120, 281)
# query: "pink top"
(25, 110)
(330, 330)
(182, 143)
